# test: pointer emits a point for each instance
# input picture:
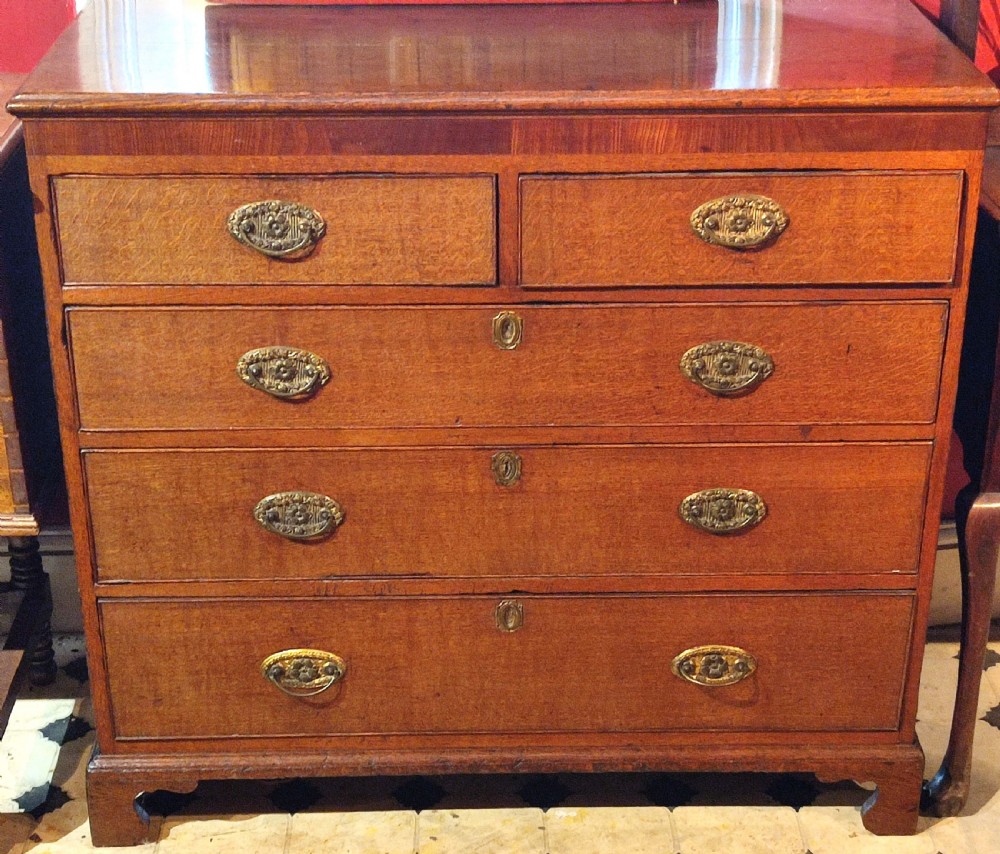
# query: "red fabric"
(988, 43)
(27, 30)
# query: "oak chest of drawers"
(502, 389)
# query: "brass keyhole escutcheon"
(508, 327)
(506, 466)
(509, 615)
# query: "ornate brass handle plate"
(303, 672)
(508, 327)
(283, 372)
(277, 229)
(506, 467)
(727, 368)
(739, 222)
(298, 515)
(714, 665)
(509, 615)
(723, 511)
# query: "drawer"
(843, 228)
(587, 664)
(839, 363)
(378, 230)
(536, 511)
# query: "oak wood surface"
(857, 87)
(439, 367)
(636, 230)
(114, 782)
(379, 230)
(265, 145)
(665, 56)
(439, 512)
(577, 664)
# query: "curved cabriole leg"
(946, 793)
(26, 573)
(117, 818)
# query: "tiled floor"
(45, 750)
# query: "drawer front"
(524, 511)
(572, 663)
(583, 365)
(842, 229)
(379, 230)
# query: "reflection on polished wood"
(157, 56)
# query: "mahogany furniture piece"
(29, 450)
(504, 388)
(977, 508)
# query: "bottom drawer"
(582, 663)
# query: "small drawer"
(846, 363)
(336, 230)
(743, 228)
(462, 512)
(528, 664)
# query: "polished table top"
(169, 55)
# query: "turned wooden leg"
(26, 573)
(114, 805)
(946, 793)
(893, 807)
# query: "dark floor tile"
(792, 791)
(544, 791)
(418, 793)
(294, 796)
(666, 791)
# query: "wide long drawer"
(802, 509)
(750, 228)
(798, 363)
(529, 664)
(333, 229)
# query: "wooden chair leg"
(946, 793)
(26, 573)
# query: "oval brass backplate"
(506, 467)
(303, 672)
(298, 515)
(714, 665)
(723, 510)
(283, 372)
(508, 328)
(727, 368)
(278, 229)
(509, 615)
(739, 222)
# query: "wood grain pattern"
(857, 91)
(199, 140)
(439, 367)
(578, 664)
(380, 230)
(574, 511)
(635, 230)
(633, 56)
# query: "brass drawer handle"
(739, 222)
(509, 615)
(727, 368)
(283, 372)
(277, 229)
(508, 327)
(298, 515)
(723, 511)
(303, 672)
(714, 665)
(506, 467)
